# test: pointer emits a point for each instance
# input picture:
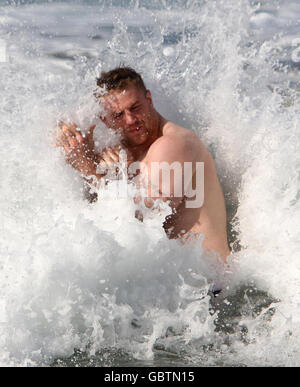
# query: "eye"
(134, 108)
(118, 115)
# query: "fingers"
(111, 155)
(61, 139)
(109, 160)
(68, 130)
(69, 137)
(78, 151)
(66, 137)
(70, 127)
(79, 137)
(70, 134)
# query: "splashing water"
(90, 283)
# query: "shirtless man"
(148, 137)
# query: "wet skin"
(148, 137)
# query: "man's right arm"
(80, 153)
(79, 149)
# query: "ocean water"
(87, 284)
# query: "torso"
(210, 219)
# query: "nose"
(130, 118)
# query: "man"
(152, 140)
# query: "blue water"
(87, 284)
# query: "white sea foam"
(91, 276)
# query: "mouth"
(136, 129)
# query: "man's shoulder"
(177, 136)
(173, 130)
(176, 142)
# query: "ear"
(149, 97)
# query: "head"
(128, 105)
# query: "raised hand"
(79, 148)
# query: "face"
(131, 111)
